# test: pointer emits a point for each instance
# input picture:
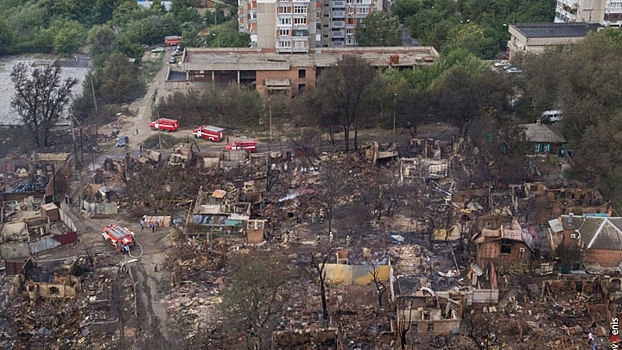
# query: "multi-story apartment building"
(295, 26)
(605, 12)
(287, 26)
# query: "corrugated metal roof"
(556, 226)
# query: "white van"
(551, 116)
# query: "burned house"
(563, 201)
(376, 152)
(505, 247)
(220, 212)
(45, 281)
(431, 162)
(21, 178)
(599, 236)
(429, 315)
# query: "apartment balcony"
(339, 14)
(338, 34)
(338, 24)
(337, 3)
(361, 15)
(283, 26)
(617, 8)
(302, 26)
(339, 43)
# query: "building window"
(302, 73)
(285, 44)
(349, 30)
(283, 32)
(349, 21)
(300, 20)
(431, 327)
(301, 87)
(350, 10)
(506, 246)
(363, 10)
(285, 9)
(300, 32)
(300, 9)
(285, 21)
(300, 44)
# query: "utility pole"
(270, 116)
(394, 107)
(95, 102)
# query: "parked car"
(122, 141)
(178, 53)
(164, 124)
(172, 60)
(502, 63)
(551, 116)
(208, 132)
(159, 49)
(145, 46)
(513, 70)
(248, 145)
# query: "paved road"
(407, 40)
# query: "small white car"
(513, 70)
(503, 63)
(158, 50)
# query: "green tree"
(227, 35)
(118, 81)
(101, 42)
(380, 29)
(6, 37)
(68, 38)
(343, 91)
(405, 8)
(40, 98)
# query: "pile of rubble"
(194, 257)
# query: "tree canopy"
(380, 29)
(477, 25)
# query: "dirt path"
(144, 104)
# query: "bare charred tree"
(479, 327)
(383, 191)
(340, 100)
(320, 268)
(381, 288)
(40, 98)
(258, 293)
(336, 182)
(404, 326)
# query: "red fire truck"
(119, 237)
(208, 132)
(164, 124)
(172, 40)
(247, 145)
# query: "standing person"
(590, 338)
(142, 224)
(152, 227)
(136, 130)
